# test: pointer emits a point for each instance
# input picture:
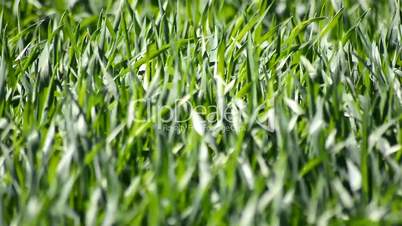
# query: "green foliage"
(203, 112)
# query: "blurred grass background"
(313, 90)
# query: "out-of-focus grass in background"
(200, 112)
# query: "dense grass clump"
(200, 112)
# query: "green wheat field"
(201, 112)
